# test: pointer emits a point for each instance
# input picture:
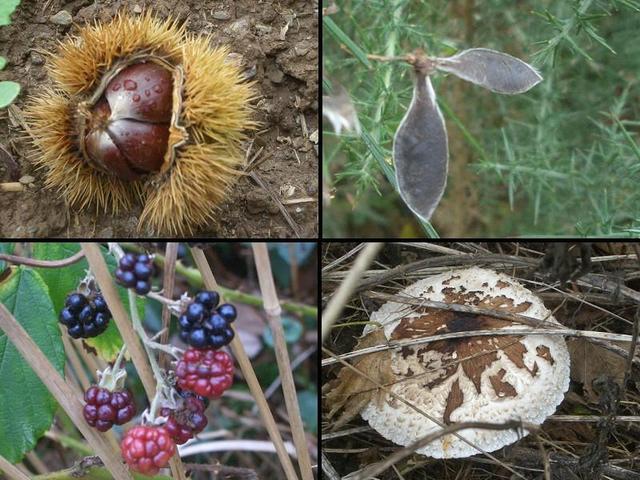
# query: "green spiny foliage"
(562, 159)
(8, 90)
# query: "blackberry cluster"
(188, 420)
(105, 408)
(134, 271)
(85, 318)
(202, 325)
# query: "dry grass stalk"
(120, 316)
(250, 376)
(168, 281)
(76, 363)
(12, 472)
(347, 287)
(273, 310)
(11, 187)
(67, 397)
(38, 465)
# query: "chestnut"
(142, 112)
(127, 129)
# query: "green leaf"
(3, 62)
(27, 406)
(308, 402)
(6, 248)
(60, 281)
(292, 331)
(342, 37)
(6, 9)
(8, 92)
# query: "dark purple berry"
(75, 302)
(227, 311)
(144, 258)
(67, 318)
(142, 287)
(76, 331)
(105, 412)
(103, 408)
(228, 335)
(100, 305)
(128, 262)
(208, 299)
(90, 330)
(101, 320)
(195, 311)
(184, 322)
(142, 271)
(126, 279)
(197, 338)
(86, 314)
(216, 341)
(216, 323)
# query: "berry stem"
(112, 378)
(175, 306)
(33, 262)
(175, 352)
(161, 386)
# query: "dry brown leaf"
(588, 361)
(351, 391)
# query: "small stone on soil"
(221, 15)
(36, 59)
(61, 18)
(276, 75)
(26, 179)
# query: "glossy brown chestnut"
(127, 131)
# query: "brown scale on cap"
(474, 354)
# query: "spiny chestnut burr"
(140, 111)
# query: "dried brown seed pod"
(142, 111)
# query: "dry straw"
(249, 374)
(273, 310)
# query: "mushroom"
(483, 378)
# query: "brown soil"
(287, 79)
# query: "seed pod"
(340, 111)
(496, 71)
(420, 150)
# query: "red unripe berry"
(147, 449)
(186, 421)
(205, 372)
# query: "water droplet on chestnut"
(136, 98)
(130, 85)
(157, 88)
(115, 87)
(147, 93)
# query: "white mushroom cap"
(507, 378)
